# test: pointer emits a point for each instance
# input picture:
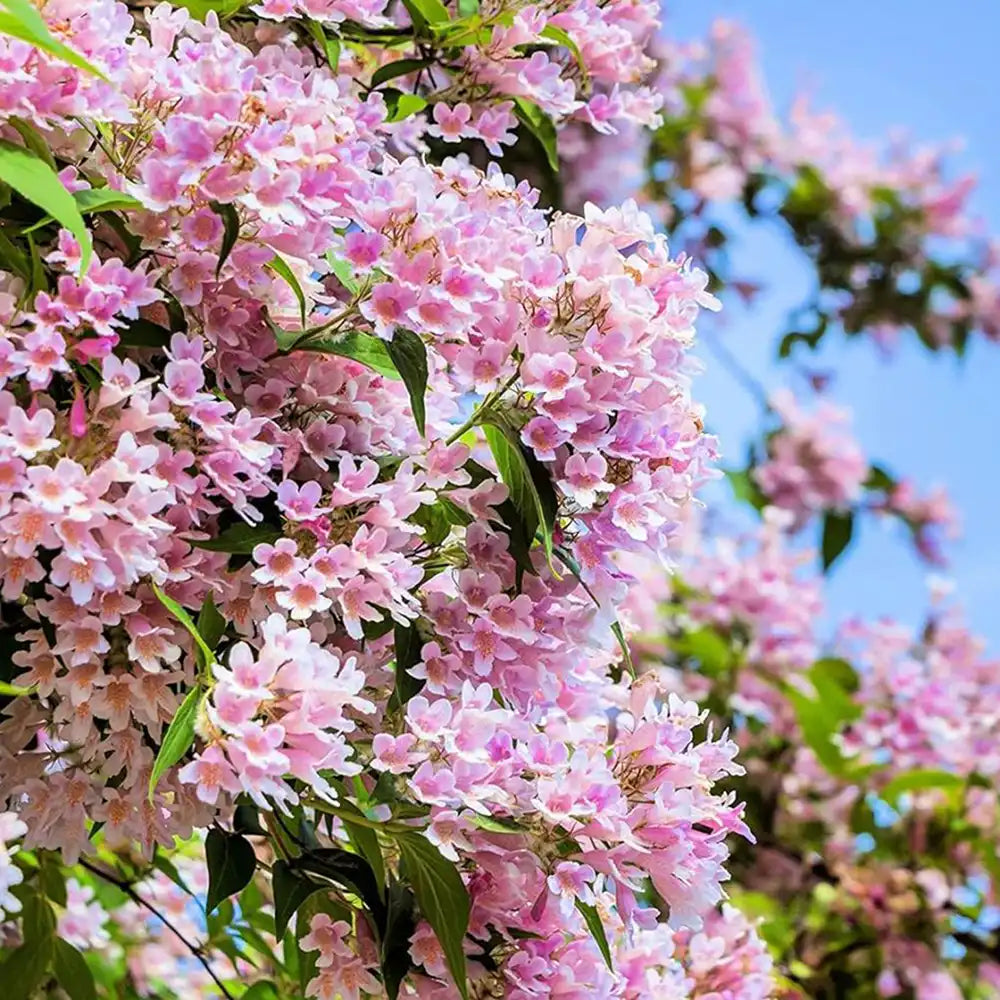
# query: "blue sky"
(928, 68)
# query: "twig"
(129, 891)
(735, 368)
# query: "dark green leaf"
(399, 927)
(247, 820)
(349, 870)
(211, 625)
(409, 356)
(178, 738)
(33, 179)
(51, 878)
(402, 67)
(837, 530)
(231, 864)
(230, 233)
(528, 482)
(442, 898)
(26, 967)
(240, 539)
(593, 921)
(879, 479)
(408, 645)
(619, 633)
(291, 889)
(142, 333)
(72, 972)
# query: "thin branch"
(127, 888)
(728, 360)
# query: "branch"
(126, 887)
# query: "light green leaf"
(21, 19)
(14, 690)
(404, 105)
(919, 781)
(557, 34)
(538, 123)
(280, 267)
(442, 898)
(33, 179)
(329, 43)
(706, 646)
(185, 619)
(178, 738)
(343, 271)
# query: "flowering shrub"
(344, 444)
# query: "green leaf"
(185, 619)
(557, 34)
(365, 841)
(402, 67)
(538, 123)
(22, 20)
(745, 488)
(494, 824)
(593, 921)
(143, 333)
(879, 479)
(91, 201)
(33, 179)
(231, 864)
(201, 8)
(837, 530)
(343, 272)
(51, 878)
(26, 967)
(838, 670)
(14, 690)
(528, 483)
(619, 633)
(72, 972)
(230, 233)
(442, 898)
(178, 738)
(425, 12)
(291, 889)
(263, 990)
(706, 646)
(400, 924)
(240, 539)
(349, 870)
(409, 355)
(329, 44)
(211, 625)
(401, 105)
(408, 645)
(920, 780)
(372, 352)
(467, 8)
(280, 267)
(33, 139)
